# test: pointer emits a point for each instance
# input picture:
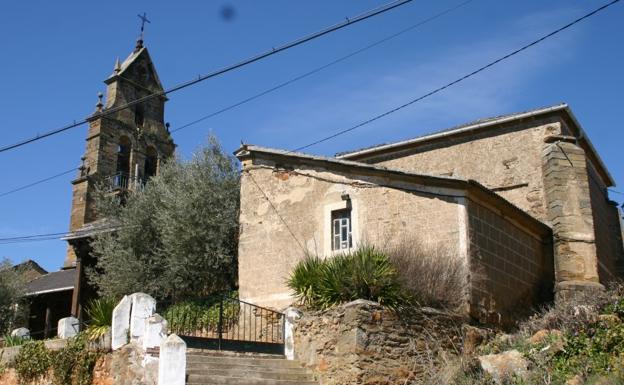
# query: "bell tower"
(124, 147)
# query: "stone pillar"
(68, 327)
(292, 315)
(569, 213)
(143, 307)
(155, 332)
(172, 365)
(121, 323)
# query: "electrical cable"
(349, 21)
(325, 66)
(288, 82)
(469, 75)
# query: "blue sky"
(56, 54)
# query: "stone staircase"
(212, 368)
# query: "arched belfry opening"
(122, 173)
(151, 163)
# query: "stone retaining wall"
(363, 343)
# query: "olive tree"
(12, 286)
(175, 237)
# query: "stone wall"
(286, 213)
(362, 343)
(506, 159)
(608, 234)
(512, 268)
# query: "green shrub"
(100, 313)
(74, 363)
(363, 274)
(32, 361)
(13, 341)
(305, 280)
(197, 316)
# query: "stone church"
(521, 198)
(123, 149)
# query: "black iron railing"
(226, 323)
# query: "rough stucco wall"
(303, 197)
(511, 268)
(511, 159)
(608, 234)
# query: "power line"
(266, 197)
(288, 82)
(54, 236)
(201, 78)
(37, 182)
(471, 74)
(325, 66)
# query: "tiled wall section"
(518, 266)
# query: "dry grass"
(570, 315)
(433, 273)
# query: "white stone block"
(121, 323)
(68, 327)
(143, 307)
(172, 362)
(21, 333)
(292, 315)
(155, 332)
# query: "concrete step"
(265, 374)
(228, 380)
(199, 368)
(241, 361)
(210, 368)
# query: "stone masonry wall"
(508, 160)
(608, 235)
(270, 245)
(363, 343)
(512, 269)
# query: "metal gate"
(225, 323)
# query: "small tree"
(12, 286)
(178, 236)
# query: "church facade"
(522, 199)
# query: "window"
(139, 115)
(341, 229)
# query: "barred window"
(341, 229)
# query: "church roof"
(484, 124)
(120, 69)
(56, 281)
(470, 186)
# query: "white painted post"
(155, 331)
(121, 323)
(172, 362)
(292, 315)
(143, 307)
(68, 327)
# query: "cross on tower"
(143, 21)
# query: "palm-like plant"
(100, 313)
(305, 280)
(364, 274)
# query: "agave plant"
(305, 280)
(13, 341)
(100, 313)
(364, 274)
